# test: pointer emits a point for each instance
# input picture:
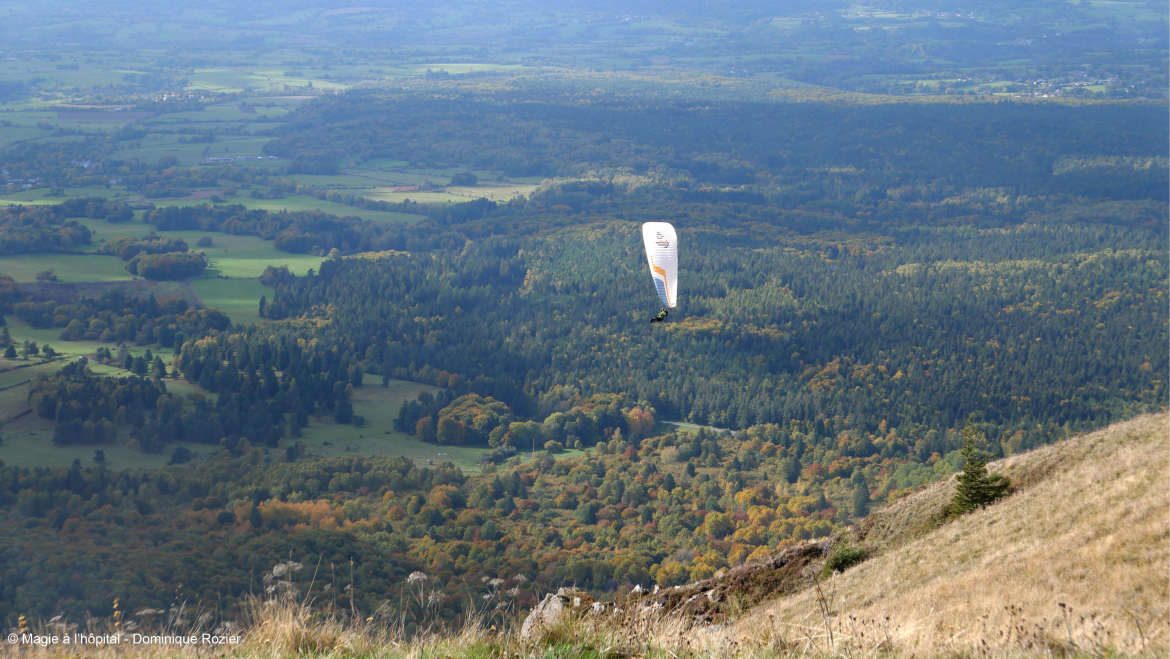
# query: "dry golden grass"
(1076, 561)
(279, 627)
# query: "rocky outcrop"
(555, 609)
(704, 603)
(711, 600)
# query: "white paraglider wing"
(662, 253)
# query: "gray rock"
(553, 609)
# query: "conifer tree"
(976, 487)
(860, 494)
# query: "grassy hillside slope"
(1075, 560)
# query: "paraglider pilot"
(661, 316)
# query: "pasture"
(157, 145)
(299, 203)
(230, 284)
(102, 230)
(379, 405)
(228, 112)
(239, 259)
(28, 441)
(238, 298)
(244, 256)
(44, 196)
(28, 438)
(385, 194)
(21, 332)
(235, 80)
(495, 192)
(382, 180)
(14, 372)
(68, 267)
(15, 133)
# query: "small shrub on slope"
(843, 557)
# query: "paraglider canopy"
(662, 253)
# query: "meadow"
(230, 283)
(301, 203)
(27, 437)
(28, 443)
(379, 406)
(16, 133)
(21, 332)
(68, 267)
(190, 154)
(238, 298)
(382, 181)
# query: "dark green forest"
(792, 151)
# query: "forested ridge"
(858, 283)
(785, 147)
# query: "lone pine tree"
(976, 487)
(860, 495)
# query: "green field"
(21, 332)
(379, 405)
(245, 256)
(499, 192)
(225, 112)
(383, 194)
(68, 267)
(230, 284)
(18, 133)
(29, 197)
(44, 196)
(238, 298)
(27, 439)
(375, 175)
(15, 371)
(230, 255)
(236, 80)
(190, 154)
(300, 203)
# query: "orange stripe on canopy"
(665, 286)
